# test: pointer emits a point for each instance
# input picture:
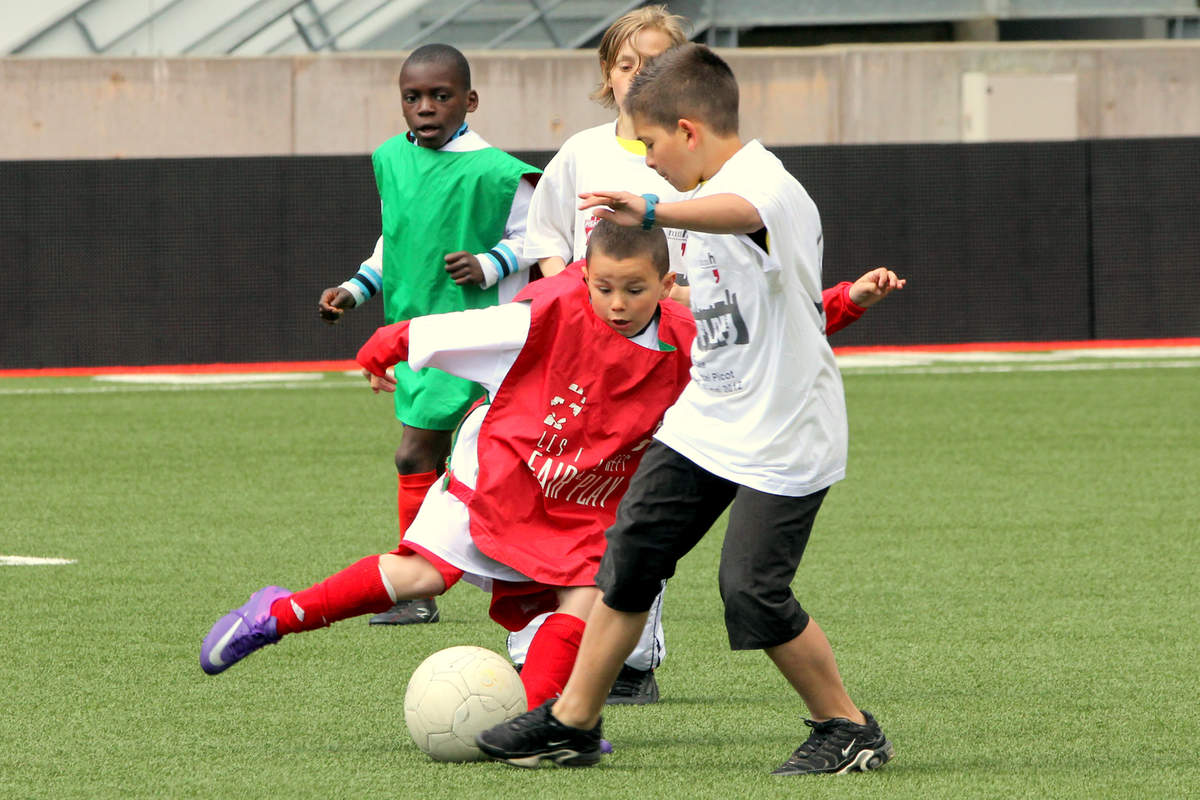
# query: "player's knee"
(411, 575)
(413, 462)
(422, 451)
(755, 618)
(626, 587)
(746, 596)
(577, 601)
(741, 605)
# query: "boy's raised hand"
(623, 208)
(464, 269)
(333, 302)
(874, 286)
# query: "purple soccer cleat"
(242, 631)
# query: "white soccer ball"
(457, 693)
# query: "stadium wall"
(348, 103)
(217, 260)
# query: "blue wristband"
(648, 217)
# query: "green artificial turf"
(1007, 576)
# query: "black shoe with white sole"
(536, 736)
(839, 746)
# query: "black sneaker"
(839, 746)
(527, 740)
(634, 687)
(409, 612)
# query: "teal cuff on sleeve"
(648, 217)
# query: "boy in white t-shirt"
(761, 425)
(557, 233)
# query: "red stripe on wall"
(184, 369)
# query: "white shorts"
(443, 525)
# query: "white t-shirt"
(590, 161)
(764, 406)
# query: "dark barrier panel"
(1146, 196)
(221, 260)
(993, 238)
(181, 261)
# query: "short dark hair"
(443, 55)
(686, 82)
(619, 242)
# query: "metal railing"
(268, 26)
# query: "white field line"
(916, 362)
(966, 369)
(32, 561)
(901, 362)
(239, 385)
(216, 377)
(903, 358)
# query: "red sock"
(551, 657)
(358, 589)
(409, 494)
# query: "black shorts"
(670, 505)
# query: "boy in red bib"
(578, 373)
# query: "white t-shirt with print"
(764, 406)
(590, 161)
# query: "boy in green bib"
(453, 211)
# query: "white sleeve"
(551, 228)
(507, 256)
(368, 281)
(375, 261)
(791, 218)
(479, 345)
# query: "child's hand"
(464, 268)
(381, 383)
(622, 208)
(333, 302)
(874, 286)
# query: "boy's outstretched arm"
(874, 286)
(387, 347)
(720, 213)
(477, 345)
(846, 302)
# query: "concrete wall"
(136, 108)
